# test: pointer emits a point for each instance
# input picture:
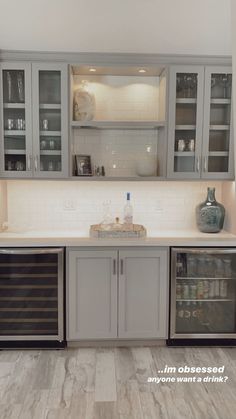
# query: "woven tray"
(111, 231)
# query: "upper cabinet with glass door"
(217, 154)
(34, 120)
(185, 121)
(199, 132)
(50, 136)
(16, 130)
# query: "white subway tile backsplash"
(40, 205)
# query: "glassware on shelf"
(10, 124)
(43, 144)
(20, 166)
(186, 85)
(50, 166)
(45, 124)
(20, 86)
(226, 82)
(9, 87)
(20, 124)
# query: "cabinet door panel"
(217, 154)
(16, 124)
(50, 116)
(185, 122)
(92, 294)
(143, 294)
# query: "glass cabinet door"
(50, 119)
(217, 134)
(16, 143)
(185, 126)
(203, 293)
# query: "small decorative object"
(84, 103)
(210, 214)
(83, 165)
(117, 230)
(147, 166)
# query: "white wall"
(40, 205)
(3, 202)
(145, 26)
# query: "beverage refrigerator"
(203, 297)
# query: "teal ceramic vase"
(210, 214)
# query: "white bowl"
(147, 166)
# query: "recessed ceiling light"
(92, 70)
(142, 70)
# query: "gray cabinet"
(200, 129)
(34, 120)
(92, 294)
(143, 294)
(117, 294)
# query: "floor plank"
(99, 383)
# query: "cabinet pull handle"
(36, 163)
(121, 267)
(29, 162)
(198, 164)
(205, 164)
(114, 267)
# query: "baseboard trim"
(115, 343)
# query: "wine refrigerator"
(203, 296)
(31, 297)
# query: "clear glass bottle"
(128, 210)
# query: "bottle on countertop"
(128, 210)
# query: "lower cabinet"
(120, 293)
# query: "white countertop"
(74, 238)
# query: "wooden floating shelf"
(220, 101)
(50, 106)
(14, 105)
(118, 124)
(15, 152)
(219, 127)
(218, 154)
(187, 101)
(184, 154)
(14, 133)
(50, 152)
(50, 133)
(185, 127)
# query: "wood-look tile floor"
(97, 383)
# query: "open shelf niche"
(127, 133)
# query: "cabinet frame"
(199, 70)
(32, 138)
(161, 329)
(72, 288)
(26, 67)
(36, 68)
(202, 125)
(117, 277)
(206, 128)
